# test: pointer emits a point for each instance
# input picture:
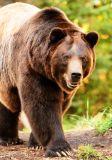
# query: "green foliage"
(101, 122)
(89, 153)
(105, 124)
(70, 121)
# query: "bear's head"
(58, 49)
(71, 57)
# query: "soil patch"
(102, 143)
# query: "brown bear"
(43, 59)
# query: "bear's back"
(13, 16)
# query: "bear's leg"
(42, 103)
(8, 127)
(58, 146)
(33, 143)
(47, 130)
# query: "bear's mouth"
(72, 86)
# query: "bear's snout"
(74, 74)
(75, 77)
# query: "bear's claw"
(35, 146)
(58, 154)
(10, 141)
(39, 147)
(59, 149)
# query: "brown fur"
(34, 62)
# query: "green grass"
(106, 122)
(102, 122)
(89, 153)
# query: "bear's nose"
(75, 77)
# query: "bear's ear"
(91, 38)
(57, 34)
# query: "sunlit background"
(95, 94)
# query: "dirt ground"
(102, 143)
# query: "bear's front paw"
(59, 148)
(34, 145)
(10, 141)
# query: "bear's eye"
(84, 62)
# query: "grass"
(102, 122)
(106, 122)
(89, 153)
